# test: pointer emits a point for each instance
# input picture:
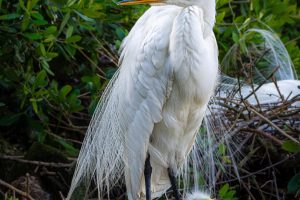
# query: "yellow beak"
(136, 2)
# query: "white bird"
(147, 120)
(270, 93)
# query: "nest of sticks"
(265, 141)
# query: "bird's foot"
(172, 177)
(147, 174)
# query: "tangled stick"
(41, 163)
(20, 192)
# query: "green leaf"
(222, 149)
(37, 15)
(71, 2)
(50, 30)
(109, 73)
(85, 18)
(33, 36)
(40, 136)
(34, 105)
(25, 22)
(39, 22)
(69, 31)
(46, 67)
(31, 4)
(64, 22)
(8, 29)
(291, 146)
(294, 184)
(59, 2)
(224, 190)
(91, 13)
(50, 38)
(73, 39)
(65, 91)
(22, 5)
(74, 101)
(40, 80)
(10, 16)
(120, 33)
(72, 151)
(51, 55)
(42, 49)
(9, 119)
(220, 17)
(227, 193)
(235, 37)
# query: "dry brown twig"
(273, 125)
(61, 196)
(33, 162)
(20, 192)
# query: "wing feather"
(145, 78)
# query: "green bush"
(235, 18)
(56, 58)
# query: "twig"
(293, 40)
(264, 134)
(248, 190)
(272, 124)
(62, 138)
(258, 188)
(61, 196)
(108, 54)
(275, 183)
(277, 88)
(27, 183)
(93, 63)
(20, 192)
(256, 172)
(33, 162)
(257, 88)
(68, 128)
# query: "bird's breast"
(194, 56)
(194, 60)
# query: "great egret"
(146, 122)
(270, 93)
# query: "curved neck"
(208, 7)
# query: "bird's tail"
(100, 163)
(214, 142)
(268, 54)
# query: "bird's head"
(182, 3)
(208, 6)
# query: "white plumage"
(155, 104)
(198, 196)
(269, 93)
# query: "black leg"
(174, 184)
(147, 173)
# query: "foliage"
(57, 56)
(291, 146)
(227, 193)
(234, 20)
(11, 198)
(294, 184)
